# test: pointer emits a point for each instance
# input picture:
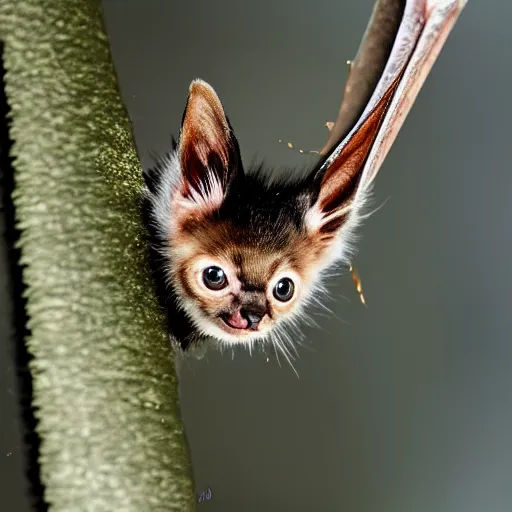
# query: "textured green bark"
(105, 385)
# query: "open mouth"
(238, 322)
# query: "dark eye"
(214, 278)
(283, 290)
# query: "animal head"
(242, 252)
(237, 253)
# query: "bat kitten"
(237, 253)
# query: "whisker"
(287, 341)
(375, 210)
(284, 345)
(289, 358)
(275, 350)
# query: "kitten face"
(238, 280)
(237, 253)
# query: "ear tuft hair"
(208, 150)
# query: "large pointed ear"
(208, 150)
(344, 179)
(340, 187)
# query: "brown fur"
(254, 265)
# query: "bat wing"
(422, 32)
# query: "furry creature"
(236, 253)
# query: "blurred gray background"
(402, 406)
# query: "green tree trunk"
(104, 377)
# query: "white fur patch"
(209, 196)
(161, 199)
(343, 248)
